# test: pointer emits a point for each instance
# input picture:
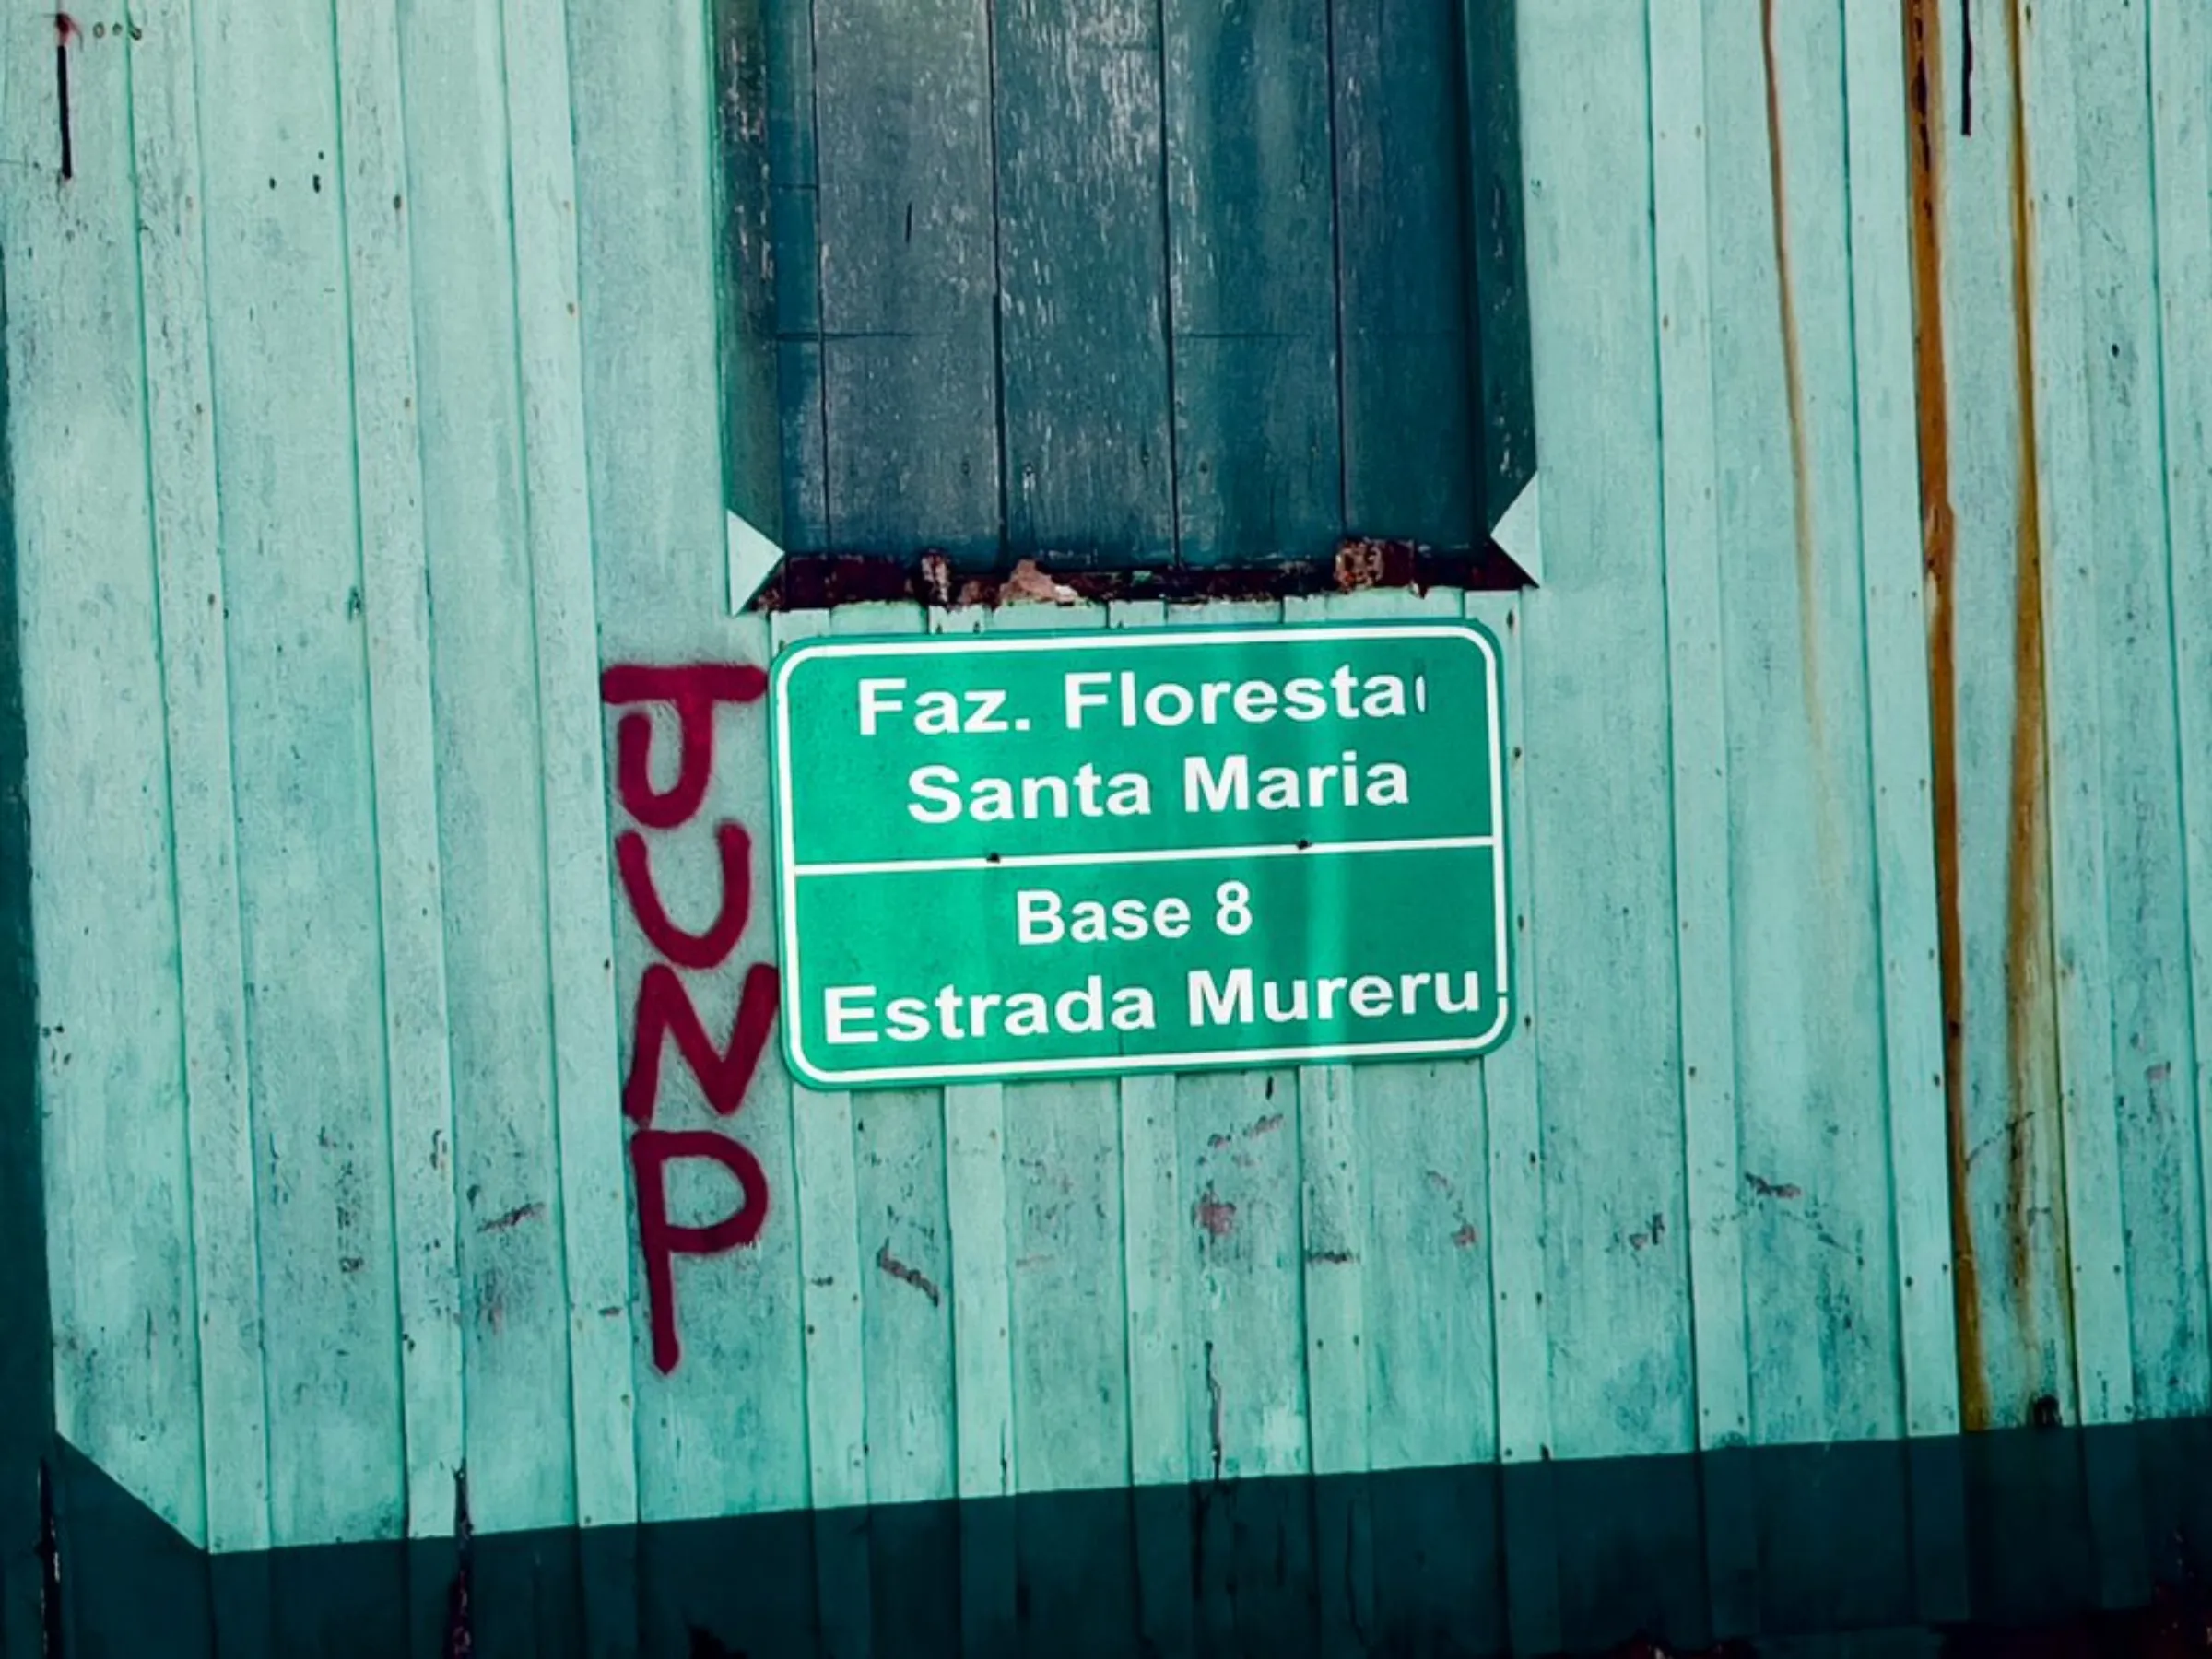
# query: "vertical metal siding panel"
(1896, 712)
(2096, 1296)
(594, 1220)
(412, 900)
(285, 433)
(181, 459)
(1702, 828)
(1396, 1297)
(1331, 1226)
(907, 230)
(643, 127)
(2010, 1155)
(977, 1286)
(1069, 1362)
(1332, 1254)
(1154, 1249)
(2181, 71)
(1240, 1164)
(1617, 1281)
(1521, 1345)
(1246, 1348)
(112, 1085)
(459, 213)
(825, 1209)
(2140, 789)
(1251, 280)
(643, 114)
(1883, 328)
(1082, 262)
(1418, 1192)
(1813, 1144)
(909, 1369)
(724, 1432)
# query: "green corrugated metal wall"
(365, 402)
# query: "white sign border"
(788, 869)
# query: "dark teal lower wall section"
(1845, 1550)
(26, 1354)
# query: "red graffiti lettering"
(690, 949)
(650, 1153)
(664, 1010)
(694, 692)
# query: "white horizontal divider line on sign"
(1038, 860)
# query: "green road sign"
(1054, 854)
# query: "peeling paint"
(1939, 547)
(1213, 1216)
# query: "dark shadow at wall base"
(2033, 1542)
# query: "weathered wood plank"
(1520, 1245)
(1813, 1181)
(904, 1219)
(1060, 1194)
(1244, 1349)
(1699, 728)
(2095, 1235)
(111, 1086)
(286, 451)
(1497, 267)
(1082, 262)
(745, 143)
(1616, 1285)
(2015, 1348)
(594, 1224)
(910, 369)
(1897, 723)
(188, 579)
(2139, 793)
(456, 212)
(724, 1431)
(796, 260)
(1251, 280)
(643, 111)
(395, 612)
(825, 1207)
(1409, 368)
(2181, 71)
(1152, 1254)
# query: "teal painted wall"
(365, 402)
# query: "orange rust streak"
(2027, 980)
(1793, 373)
(1924, 73)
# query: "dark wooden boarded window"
(1121, 282)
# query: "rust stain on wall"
(1793, 373)
(1939, 546)
(2030, 1033)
